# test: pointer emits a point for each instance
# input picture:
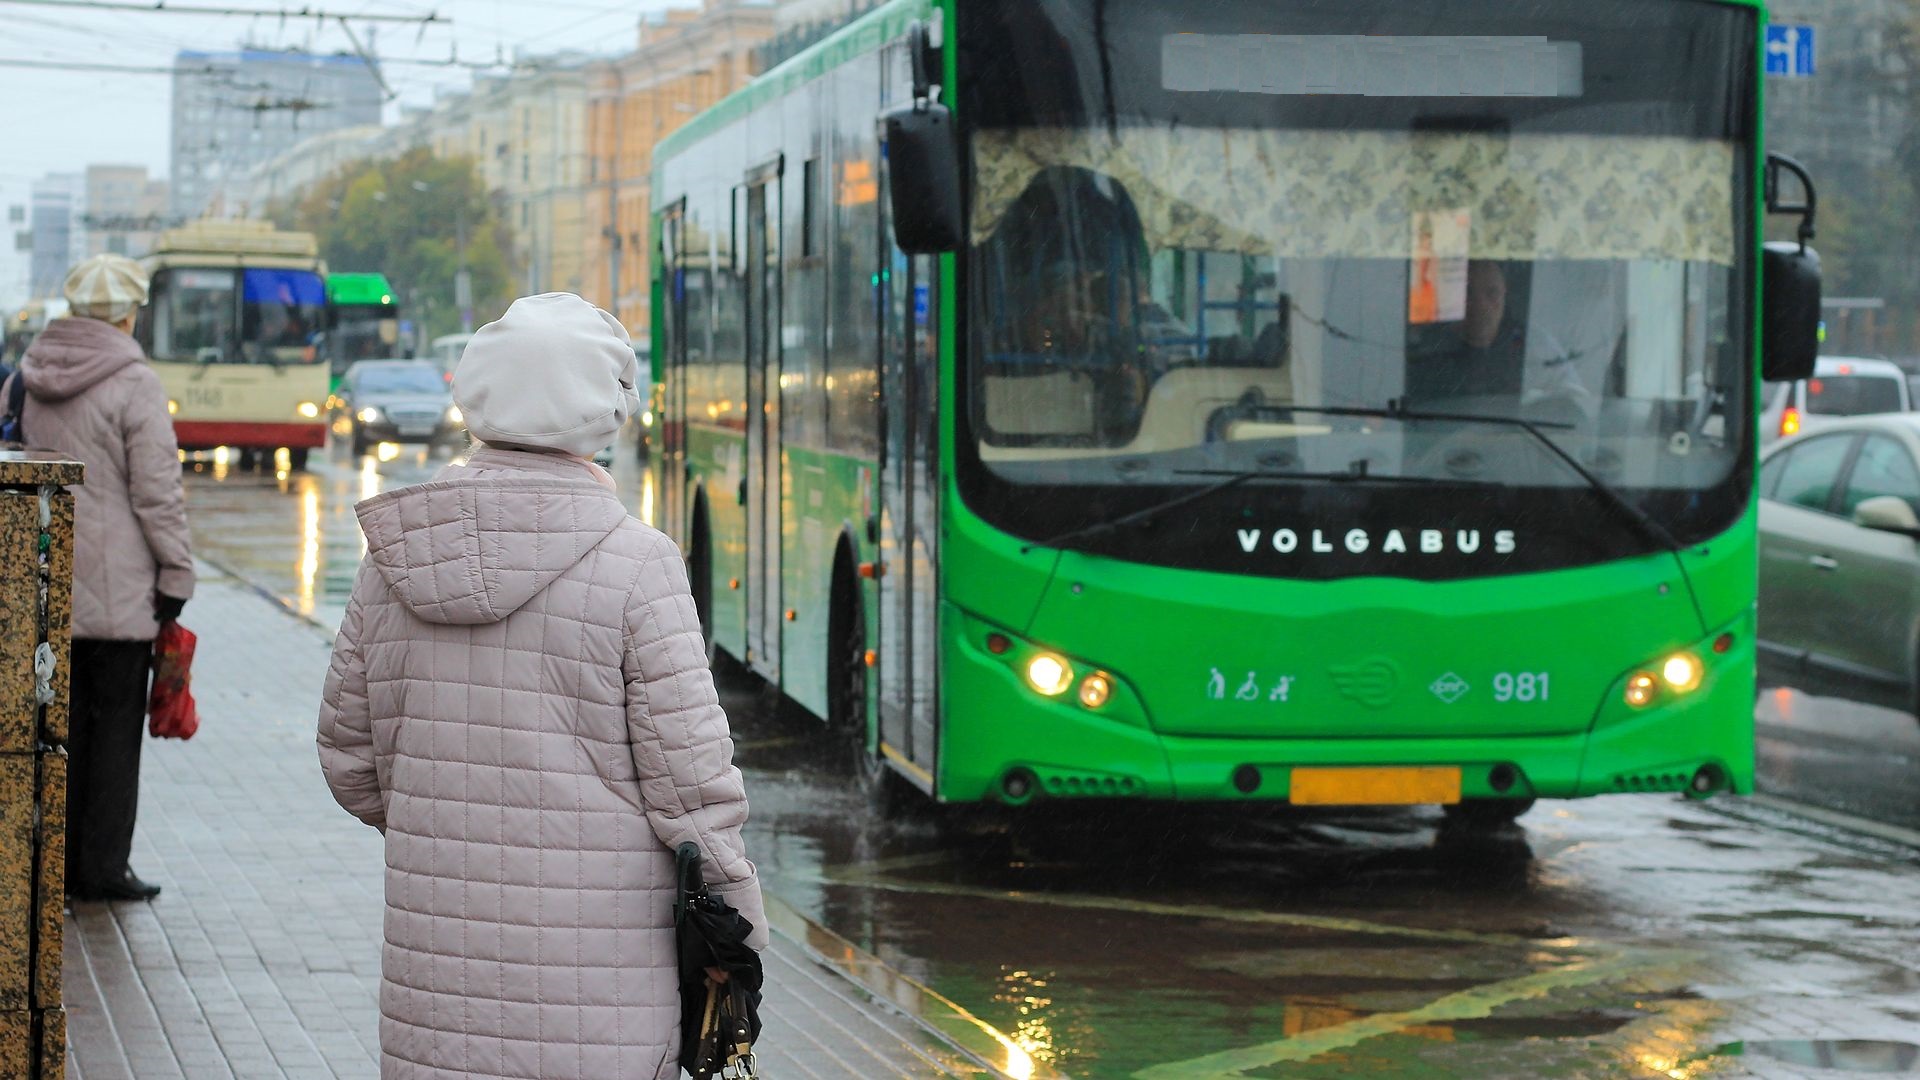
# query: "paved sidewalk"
(262, 958)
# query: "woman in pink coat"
(519, 699)
(91, 396)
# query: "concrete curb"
(264, 593)
(1839, 819)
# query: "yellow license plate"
(1375, 787)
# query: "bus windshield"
(250, 316)
(1201, 218)
(363, 332)
(283, 314)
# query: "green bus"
(1277, 400)
(363, 320)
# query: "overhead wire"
(616, 9)
(122, 69)
(104, 37)
(159, 7)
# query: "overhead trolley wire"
(162, 7)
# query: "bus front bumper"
(248, 435)
(1004, 742)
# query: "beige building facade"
(567, 144)
(124, 209)
(685, 60)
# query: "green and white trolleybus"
(1341, 403)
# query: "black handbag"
(718, 1021)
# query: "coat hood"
(482, 539)
(73, 354)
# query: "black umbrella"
(718, 1023)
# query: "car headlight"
(454, 416)
(369, 415)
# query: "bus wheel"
(297, 459)
(847, 694)
(847, 674)
(1484, 813)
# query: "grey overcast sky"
(63, 121)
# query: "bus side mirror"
(1789, 281)
(923, 157)
(1790, 311)
(923, 179)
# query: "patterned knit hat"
(106, 287)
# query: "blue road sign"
(1790, 51)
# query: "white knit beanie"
(553, 373)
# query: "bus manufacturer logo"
(1391, 542)
(1371, 682)
(1449, 688)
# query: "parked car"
(399, 401)
(1841, 386)
(1840, 561)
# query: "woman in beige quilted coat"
(519, 699)
(91, 396)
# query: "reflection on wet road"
(1632, 936)
(1858, 759)
(294, 534)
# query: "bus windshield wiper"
(1396, 410)
(1234, 478)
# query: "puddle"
(1843, 1055)
(1580, 1025)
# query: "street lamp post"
(462, 279)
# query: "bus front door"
(670, 465)
(762, 483)
(909, 517)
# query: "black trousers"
(106, 726)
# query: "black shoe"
(124, 887)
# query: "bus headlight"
(173, 407)
(1049, 674)
(369, 415)
(1682, 672)
(1640, 689)
(1679, 674)
(1095, 690)
(307, 409)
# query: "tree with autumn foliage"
(416, 219)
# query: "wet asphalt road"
(1625, 936)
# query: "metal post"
(613, 193)
(462, 280)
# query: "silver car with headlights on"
(397, 401)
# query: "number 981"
(1520, 686)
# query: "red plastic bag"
(171, 713)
